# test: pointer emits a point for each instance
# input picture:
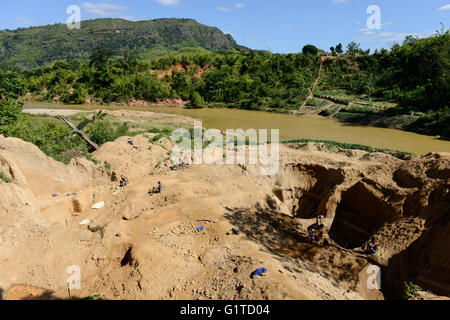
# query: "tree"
(333, 51)
(100, 57)
(339, 49)
(197, 101)
(310, 49)
(10, 114)
(442, 31)
(11, 88)
(353, 47)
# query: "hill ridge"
(38, 45)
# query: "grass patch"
(360, 109)
(157, 137)
(359, 118)
(411, 290)
(315, 103)
(336, 96)
(107, 166)
(328, 112)
(349, 146)
(93, 297)
(4, 177)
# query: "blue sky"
(276, 25)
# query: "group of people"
(124, 181)
(316, 235)
(315, 231)
(182, 164)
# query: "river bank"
(290, 127)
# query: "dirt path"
(311, 90)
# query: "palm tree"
(442, 32)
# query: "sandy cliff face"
(403, 204)
(146, 247)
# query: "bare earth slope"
(146, 247)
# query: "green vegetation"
(4, 177)
(37, 46)
(412, 78)
(50, 134)
(93, 297)
(413, 75)
(313, 102)
(411, 290)
(11, 88)
(107, 166)
(328, 112)
(160, 133)
(310, 49)
(411, 81)
(341, 97)
(253, 80)
(432, 123)
(101, 130)
(360, 109)
(334, 145)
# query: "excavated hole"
(307, 189)
(128, 259)
(76, 205)
(358, 216)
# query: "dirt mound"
(178, 244)
(26, 292)
(144, 158)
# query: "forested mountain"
(36, 46)
(410, 80)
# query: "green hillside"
(36, 46)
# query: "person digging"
(123, 181)
(131, 143)
(370, 247)
(156, 190)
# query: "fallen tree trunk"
(80, 133)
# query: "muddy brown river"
(291, 126)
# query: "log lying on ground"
(80, 133)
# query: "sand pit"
(146, 247)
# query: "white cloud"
(339, 1)
(371, 31)
(103, 9)
(26, 21)
(391, 36)
(446, 7)
(224, 9)
(239, 5)
(168, 2)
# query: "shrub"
(157, 138)
(10, 113)
(411, 290)
(103, 131)
(4, 177)
(197, 101)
